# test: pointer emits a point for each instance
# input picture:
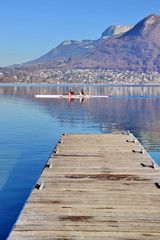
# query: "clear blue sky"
(31, 28)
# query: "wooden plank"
(99, 186)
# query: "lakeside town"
(83, 76)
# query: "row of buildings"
(88, 76)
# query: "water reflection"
(134, 108)
(31, 90)
(30, 128)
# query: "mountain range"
(133, 48)
(70, 48)
(137, 49)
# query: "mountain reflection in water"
(133, 108)
(30, 128)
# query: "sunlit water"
(30, 129)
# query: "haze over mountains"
(119, 48)
(137, 49)
(70, 48)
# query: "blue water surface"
(30, 129)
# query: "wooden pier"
(94, 187)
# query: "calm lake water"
(30, 129)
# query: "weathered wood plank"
(99, 186)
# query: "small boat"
(70, 96)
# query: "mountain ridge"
(70, 48)
(137, 49)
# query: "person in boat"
(71, 92)
(82, 92)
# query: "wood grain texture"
(99, 187)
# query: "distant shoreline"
(79, 84)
